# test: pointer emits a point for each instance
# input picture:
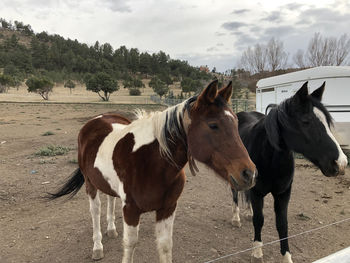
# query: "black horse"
(300, 124)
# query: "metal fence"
(237, 104)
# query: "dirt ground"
(33, 230)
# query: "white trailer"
(336, 97)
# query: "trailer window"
(268, 90)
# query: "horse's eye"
(213, 126)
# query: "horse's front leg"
(257, 202)
(281, 211)
(236, 221)
(164, 234)
(131, 221)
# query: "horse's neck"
(283, 148)
(178, 152)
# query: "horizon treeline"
(24, 53)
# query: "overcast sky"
(205, 32)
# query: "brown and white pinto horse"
(142, 163)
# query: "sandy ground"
(33, 230)
(80, 95)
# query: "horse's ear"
(302, 93)
(209, 94)
(317, 94)
(226, 92)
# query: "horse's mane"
(168, 127)
(279, 117)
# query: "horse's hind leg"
(236, 221)
(111, 229)
(95, 210)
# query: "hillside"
(24, 53)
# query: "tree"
(327, 51)
(158, 86)
(69, 84)
(299, 59)
(236, 86)
(6, 81)
(276, 56)
(42, 86)
(189, 85)
(254, 59)
(103, 84)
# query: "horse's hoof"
(287, 258)
(97, 254)
(236, 223)
(257, 260)
(112, 233)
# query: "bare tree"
(327, 51)
(299, 59)
(276, 56)
(254, 59)
(343, 49)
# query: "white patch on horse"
(104, 159)
(287, 258)
(130, 238)
(143, 134)
(342, 159)
(97, 117)
(236, 221)
(257, 249)
(228, 113)
(164, 238)
(95, 210)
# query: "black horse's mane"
(279, 117)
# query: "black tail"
(71, 187)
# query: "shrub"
(52, 150)
(48, 133)
(134, 92)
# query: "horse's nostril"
(247, 175)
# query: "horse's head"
(304, 124)
(213, 137)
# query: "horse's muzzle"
(246, 181)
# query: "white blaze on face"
(228, 113)
(342, 159)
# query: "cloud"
(275, 16)
(244, 40)
(279, 31)
(118, 5)
(240, 11)
(293, 6)
(325, 14)
(212, 49)
(219, 34)
(233, 26)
